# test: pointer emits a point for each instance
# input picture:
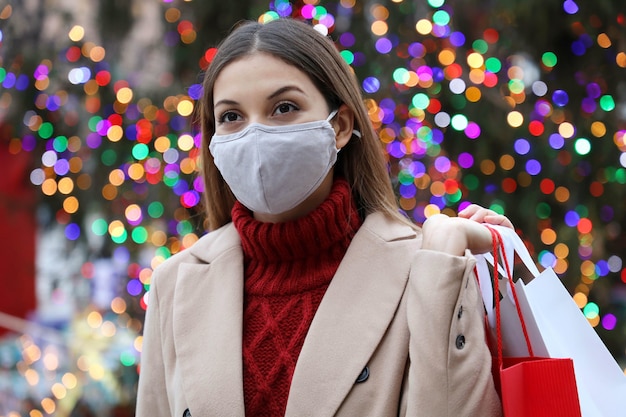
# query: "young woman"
(311, 295)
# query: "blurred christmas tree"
(515, 105)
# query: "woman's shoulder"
(208, 248)
(390, 229)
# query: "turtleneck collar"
(334, 222)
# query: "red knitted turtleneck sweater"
(288, 267)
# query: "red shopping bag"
(530, 386)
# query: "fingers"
(483, 215)
(498, 220)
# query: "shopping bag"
(557, 328)
(530, 386)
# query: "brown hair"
(361, 161)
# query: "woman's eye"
(285, 108)
(229, 117)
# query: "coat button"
(365, 373)
(460, 341)
(187, 413)
(460, 312)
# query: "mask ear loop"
(332, 114)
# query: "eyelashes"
(281, 108)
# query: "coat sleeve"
(450, 364)
(152, 398)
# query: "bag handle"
(514, 242)
(498, 248)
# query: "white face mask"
(272, 169)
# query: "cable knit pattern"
(288, 267)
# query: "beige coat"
(411, 318)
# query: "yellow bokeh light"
(561, 251)
(31, 354)
(604, 41)
(185, 142)
(594, 321)
(380, 12)
(507, 162)
(437, 188)
(424, 26)
(598, 129)
(118, 305)
(515, 119)
(567, 130)
(188, 36)
(548, 236)
(116, 229)
(145, 276)
(487, 166)
(96, 371)
(58, 390)
(66, 185)
(580, 299)
(136, 171)
(32, 413)
(32, 377)
(620, 59)
(6, 12)
(48, 405)
(94, 319)
(473, 94)
(172, 15)
(158, 238)
(51, 361)
(97, 53)
(77, 33)
(108, 329)
(189, 239)
(477, 76)
(561, 266)
(69, 380)
(587, 268)
(379, 27)
(49, 186)
(71, 204)
(187, 166)
(124, 95)
(83, 363)
(515, 73)
(109, 192)
(76, 164)
(42, 84)
(116, 177)
(162, 144)
(446, 57)
(561, 194)
(115, 133)
(184, 107)
(138, 343)
(431, 210)
(475, 60)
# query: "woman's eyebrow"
(226, 102)
(284, 90)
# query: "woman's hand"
(456, 234)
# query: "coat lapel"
(207, 317)
(353, 316)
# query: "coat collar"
(350, 322)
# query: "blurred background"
(518, 105)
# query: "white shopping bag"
(558, 329)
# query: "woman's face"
(261, 88)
